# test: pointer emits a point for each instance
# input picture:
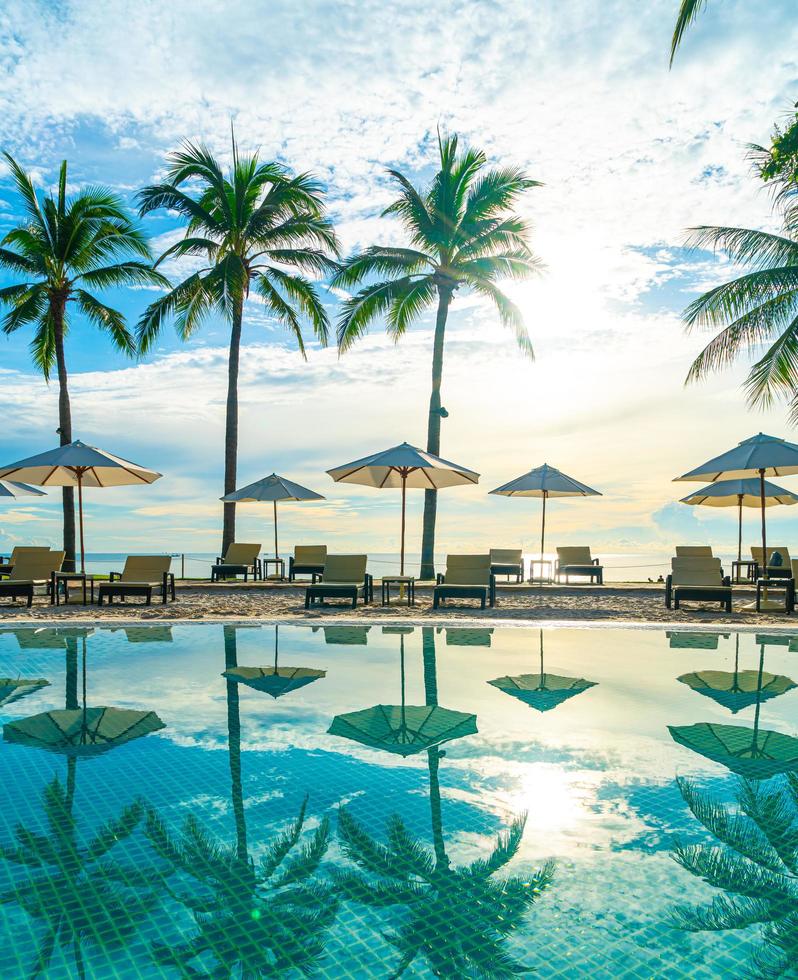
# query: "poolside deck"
(618, 602)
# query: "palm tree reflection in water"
(253, 919)
(458, 919)
(78, 894)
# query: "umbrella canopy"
(14, 688)
(8, 488)
(736, 690)
(271, 489)
(403, 729)
(759, 456)
(82, 731)
(77, 464)
(739, 494)
(402, 467)
(750, 753)
(545, 481)
(684, 640)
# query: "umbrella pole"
(276, 552)
(764, 533)
(740, 528)
(80, 512)
(542, 534)
(402, 551)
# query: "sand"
(269, 601)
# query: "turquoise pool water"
(490, 818)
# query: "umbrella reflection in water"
(403, 729)
(542, 691)
(750, 752)
(274, 680)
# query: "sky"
(576, 93)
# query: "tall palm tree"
(67, 247)
(462, 233)
(250, 226)
(755, 309)
(254, 920)
(753, 863)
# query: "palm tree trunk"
(65, 432)
(234, 744)
(231, 426)
(434, 433)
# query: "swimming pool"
(358, 801)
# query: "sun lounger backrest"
(145, 568)
(505, 556)
(345, 568)
(696, 571)
(694, 551)
(574, 555)
(467, 570)
(310, 554)
(23, 549)
(37, 565)
(756, 554)
(239, 553)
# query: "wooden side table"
(546, 566)
(770, 585)
(748, 565)
(403, 581)
(62, 580)
(279, 566)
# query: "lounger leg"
(30, 598)
(676, 602)
(307, 600)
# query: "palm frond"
(279, 306)
(720, 914)
(409, 306)
(775, 372)
(115, 830)
(27, 192)
(189, 298)
(688, 12)
(379, 260)
(358, 312)
(496, 191)
(505, 849)
(27, 307)
(190, 246)
(509, 313)
(745, 246)
(411, 857)
(129, 273)
(42, 345)
(302, 292)
(411, 208)
(107, 319)
(724, 869)
(12, 260)
(168, 196)
(281, 847)
(300, 866)
(508, 265)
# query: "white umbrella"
(78, 465)
(404, 466)
(10, 489)
(760, 456)
(739, 494)
(545, 481)
(271, 488)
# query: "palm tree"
(255, 920)
(753, 862)
(459, 919)
(755, 309)
(462, 232)
(250, 226)
(67, 247)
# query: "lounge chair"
(694, 551)
(7, 563)
(773, 571)
(699, 580)
(507, 561)
(307, 559)
(239, 559)
(466, 577)
(32, 569)
(141, 574)
(344, 577)
(577, 561)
